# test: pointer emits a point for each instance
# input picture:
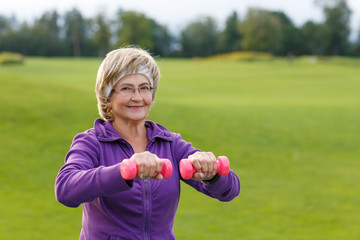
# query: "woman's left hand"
(205, 165)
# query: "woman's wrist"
(213, 180)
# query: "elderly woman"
(144, 207)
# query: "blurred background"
(273, 85)
(181, 29)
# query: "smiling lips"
(135, 107)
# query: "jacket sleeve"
(224, 189)
(81, 179)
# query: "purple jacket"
(114, 208)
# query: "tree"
(102, 34)
(336, 26)
(4, 30)
(5, 25)
(135, 28)
(24, 39)
(290, 35)
(48, 31)
(199, 38)
(230, 38)
(312, 38)
(262, 31)
(75, 32)
(8, 28)
(355, 48)
(161, 39)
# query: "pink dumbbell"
(187, 170)
(128, 169)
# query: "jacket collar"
(105, 131)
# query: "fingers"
(205, 165)
(149, 165)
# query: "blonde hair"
(127, 60)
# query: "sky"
(176, 14)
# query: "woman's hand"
(149, 166)
(205, 165)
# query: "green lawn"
(292, 133)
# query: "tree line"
(260, 30)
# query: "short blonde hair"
(127, 60)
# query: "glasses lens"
(144, 89)
(129, 91)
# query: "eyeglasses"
(130, 91)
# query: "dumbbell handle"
(128, 169)
(187, 170)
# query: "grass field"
(292, 133)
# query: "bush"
(243, 55)
(7, 58)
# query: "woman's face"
(132, 98)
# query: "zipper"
(147, 199)
(147, 209)
(147, 214)
(146, 191)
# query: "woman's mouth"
(135, 107)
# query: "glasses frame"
(130, 91)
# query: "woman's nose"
(136, 95)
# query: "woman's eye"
(125, 89)
(145, 88)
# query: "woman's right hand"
(149, 166)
